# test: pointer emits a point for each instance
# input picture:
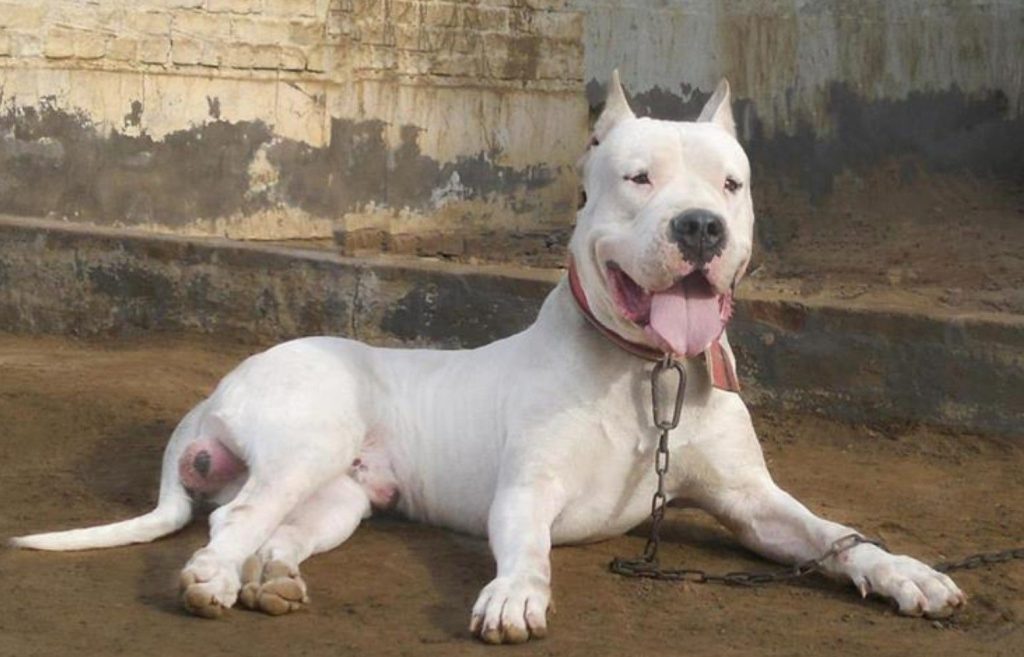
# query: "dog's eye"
(731, 184)
(583, 199)
(639, 179)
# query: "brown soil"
(84, 425)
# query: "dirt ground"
(84, 424)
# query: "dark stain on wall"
(59, 164)
(426, 312)
(56, 163)
(358, 167)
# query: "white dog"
(542, 438)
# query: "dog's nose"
(699, 234)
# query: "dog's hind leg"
(270, 578)
(211, 580)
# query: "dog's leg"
(513, 607)
(771, 522)
(211, 580)
(271, 579)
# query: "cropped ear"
(616, 109)
(718, 109)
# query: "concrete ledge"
(858, 361)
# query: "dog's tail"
(172, 512)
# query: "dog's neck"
(720, 366)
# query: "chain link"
(648, 566)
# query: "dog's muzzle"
(699, 234)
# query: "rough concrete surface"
(869, 358)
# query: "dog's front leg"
(513, 607)
(771, 522)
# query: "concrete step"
(864, 360)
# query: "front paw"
(511, 610)
(918, 589)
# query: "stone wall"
(876, 127)
(291, 118)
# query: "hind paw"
(272, 587)
(208, 585)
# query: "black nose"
(699, 234)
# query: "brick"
(60, 43)
(486, 19)
(520, 20)
(212, 55)
(306, 33)
(90, 45)
(234, 6)
(21, 16)
(316, 60)
(154, 50)
(560, 60)
(410, 37)
(239, 56)
(25, 45)
(122, 48)
(441, 14)
(465, 41)
(406, 12)
(291, 59)
(148, 23)
(340, 25)
(290, 7)
(186, 51)
(202, 25)
(362, 239)
(255, 30)
(374, 58)
(328, 58)
(559, 25)
(380, 33)
(82, 16)
(411, 62)
(458, 65)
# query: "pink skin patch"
(206, 466)
(372, 471)
(683, 319)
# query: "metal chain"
(648, 566)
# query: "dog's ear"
(616, 109)
(718, 109)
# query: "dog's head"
(666, 228)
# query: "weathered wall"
(860, 362)
(879, 131)
(287, 118)
(876, 127)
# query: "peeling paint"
(240, 178)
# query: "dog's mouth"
(683, 319)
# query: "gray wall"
(847, 108)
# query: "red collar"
(720, 366)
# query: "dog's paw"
(272, 587)
(917, 589)
(511, 610)
(208, 584)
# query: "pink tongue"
(686, 318)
